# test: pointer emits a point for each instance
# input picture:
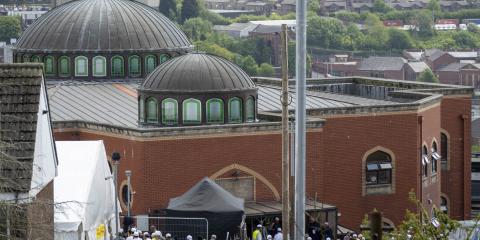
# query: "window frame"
(45, 66)
(141, 109)
(147, 110)
(435, 157)
(77, 59)
(444, 150)
(112, 66)
(165, 120)
(36, 59)
(249, 118)
(222, 112)
(103, 73)
(69, 71)
(135, 74)
(199, 111)
(146, 65)
(230, 118)
(378, 170)
(163, 58)
(425, 161)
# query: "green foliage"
(466, 40)
(427, 76)
(325, 32)
(263, 52)
(247, 63)
(313, 6)
(400, 39)
(424, 22)
(246, 18)
(10, 27)
(473, 28)
(434, 5)
(190, 9)
(381, 7)
(265, 70)
(169, 8)
(214, 18)
(197, 28)
(347, 16)
(377, 36)
(292, 59)
(214, 49)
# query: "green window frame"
(19, 58)
(134, 66)
(151, 105)
(64, 66)
(250, 114)
(35, 59)
(81, 66)
(117, 66)
(99, 66)
(164, 58)
(141, 109)
(235, 110)
(169, 111)
(49, 65)
(26, 58)
(192, 111)
(215, 111)
(150, 63)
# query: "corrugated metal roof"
(382, 63)
(418, 66)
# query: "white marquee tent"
(84, 190)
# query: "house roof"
(20, 89)
(382, 64)
(435, 54)
(464, 55)
(418, 67)
(452, 67)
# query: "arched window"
(152, 110)
(425, 161)
(192, 111)
(215, 111)
(117, 66)
(134, 69)
(99, 65)
(150, 63)
(36, 59)
(435, 157)
(164, 58)
(169, 111)
(64, 66)
(81, 66)
(141, 109)
(444, 150)
(26, 58)
(250, 109)
(49, 65)
(378, 168)
(235, 110)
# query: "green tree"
(466, 40)
(427, 76)
(190, 9)
(263, 52)
(292, 59)
(247, 63)
(376, 33)
(197, 28)
(324, 32)
(381, 7)
(473, 28)
(214, 49)
(169, 8)
(424, 23)
(347, 16)
(10, 27)
(265, 70)
(400, 39)
(434, 5)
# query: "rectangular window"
(192, 112)
(99, 67)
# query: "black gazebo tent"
(209, 200)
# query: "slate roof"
(418, 67)
(452, 67)
(108, 25)
(20, 88)
(464, 55)
(198, 72)
(382, 64)
(435, 54)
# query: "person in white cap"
(279, 235)
(168, 236)
(189, 237)
(136, 236)
(269, 237)
(257, 234)
(146, 236)
(213, 237)
(309, 238)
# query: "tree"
(381, 7)
(423, 22)
(247, 63)
(197, 28)
(377, 36)
(190, 9)
(10, 27)
(292, 58)
(169, 8)
(473, 28)
(265, 70)
(324, 32)
(427, 76)
(263, 52)
(434, 6)
(214, 49)
(400, 39)
(465, 40)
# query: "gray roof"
(435, 54)
(198, 72)
(418, 66)
(267, 29)
(464, 55)
(20, 88)
(102, 25)
(234, 27)
(382, 64)
(452, 67)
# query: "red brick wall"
(448, 77)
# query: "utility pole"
(116, 158)
(301, 72)
(285, 137)
(128, 173)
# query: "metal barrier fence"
(179, 228)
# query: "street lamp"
(116, 160)
(129, 189)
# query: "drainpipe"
(466, 166)
(420, 189)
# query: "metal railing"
(178, 227)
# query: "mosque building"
(120, 71)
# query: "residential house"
(236, 29)
(414, 69)
(335, 6)
(287, 6)
(437, 59)
(382, 67)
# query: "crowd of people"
(154, 234)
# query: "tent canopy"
(84, 190)
(207, 196)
